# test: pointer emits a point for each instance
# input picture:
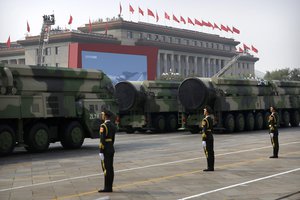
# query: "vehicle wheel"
(249, 122)
(73, 136)
(295, 119)
(160, 123)
(285, 119)
(239, 122)
(266, 120)
(172, 124)
(129, 130)
(38, 138)
(229, 123)
(7, 140)
(259, 121)
(194, 129)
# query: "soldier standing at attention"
(106, 146)
(273, 131)
(208, 139)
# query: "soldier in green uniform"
(208, 139)
(106, 146)
(273, 131)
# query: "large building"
(156, 49)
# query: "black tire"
(172, 123)
(194, 129)
(73, 136)
(7, 140)
(229, 123)
(38, 138)
(129, 130)
(249, 122)
(259, 121)
(285, 119)
(239, 122)
(160, 123)
(295, 118)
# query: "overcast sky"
(271, 26)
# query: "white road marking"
(240, 184)
(136, 168)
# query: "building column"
(203, 66)
(179, 65)
(158, 68)
(196, 65)
(165, 63)
(172, 63)
(213, 66)
(187, 67)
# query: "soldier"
(208, 139)
(106, 146)
(273, 131)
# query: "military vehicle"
(148, 105)
(42, 105)
(238, 104)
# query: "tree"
(295, 75)
(283, 74)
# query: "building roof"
(158, 29)
(71, 36)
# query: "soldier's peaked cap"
(108, 112)
(208, 109)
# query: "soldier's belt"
(108, 140)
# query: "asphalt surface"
(160, 166)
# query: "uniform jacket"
(107, 137)
(207, 128)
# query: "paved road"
(160, 166)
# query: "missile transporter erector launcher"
(148, 105)
(238, 104)
(40, 105)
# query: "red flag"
(141, 11)
(182, 20)
(131, 9)
(157, 18)
(8, 42)
(204, 23)
(90, 26)
(175, 19)
(120, 8)
(254, 49)
(190, 21)
(150, 13)
(28, 27)
(237, 31)
(167, 16)
(210, 25)
(229, 29)
(223, 28)
(241, 50)
(70, 20)
(198, 22)
(216, 26)
(245, 47)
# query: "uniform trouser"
(210, 154)
(108, 170)
(275, 144)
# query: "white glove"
(271, 135)
(203, 144)
(101, 155)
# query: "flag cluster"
(184, 20)
(246, 48)
(193, 22)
